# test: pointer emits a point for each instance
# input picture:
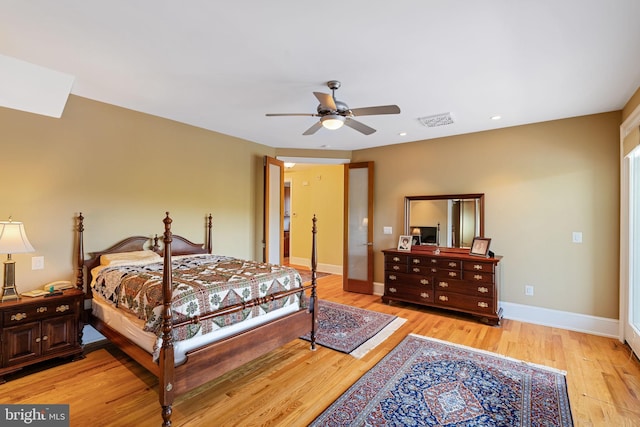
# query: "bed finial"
(80, 259)
(209, 228)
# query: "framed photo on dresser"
(404, 243)
(480, 246)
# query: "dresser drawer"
(449, 264)
(419, 261)
(484, 267)
(449, 274)
(395, 259)
(390, 278)
(464, 287)
(480, 277)
(417, 294)
(44, 308)
(464, 302)
(393, 267)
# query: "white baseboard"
(325, 268)
(594, 325)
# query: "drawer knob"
(433, 261)
(433, 270)
(41, 309)
(483, 304)
(396, 259)
(424, 281)
(477, 277)
(443, 298)
(477, 266)
(18, 316)
(38, 339)
(416, 269)
(424, 295)
(416, 261)
(453, 274)
(482, 289)
(392, 277)
(393, 290)
(453, 264)
(62, 308)
(44, 338)
(396, 267)
(443, 284)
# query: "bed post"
(166, 361)
(313, 304)
(209, 227)
(80, 254)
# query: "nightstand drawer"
(39, 310)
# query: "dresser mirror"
(450, 220)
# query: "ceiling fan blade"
(288, 114)
(313, 129)
(326, 100)
(372, 111)
(360, 127)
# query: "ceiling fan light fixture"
(332, 121)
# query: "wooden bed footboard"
(211, 361)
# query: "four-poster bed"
(188, 308)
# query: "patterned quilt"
(201, 284)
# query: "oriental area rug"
(352, 330)
(427, 382)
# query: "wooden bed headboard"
(179, 246)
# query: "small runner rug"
(427, 382)
(352, 330)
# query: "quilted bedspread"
(201, 284)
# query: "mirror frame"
(409, 199)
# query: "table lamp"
(13, 240)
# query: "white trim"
(595, 325)
(325, 268)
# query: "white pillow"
(129, 257)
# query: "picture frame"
(416, 240)
(404, 243)
(480, 246)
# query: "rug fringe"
(374, 341)
(477, 350)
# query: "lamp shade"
(13, 239)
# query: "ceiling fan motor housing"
(341, 108)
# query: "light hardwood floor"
(292, 385)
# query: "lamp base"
(9, 293)
(8, 290)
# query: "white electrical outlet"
(37, 263)
(577, 237)
(528, 290)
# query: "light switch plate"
(387, 230)
(577, 237)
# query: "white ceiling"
(222, 65)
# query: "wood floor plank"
(292, 385)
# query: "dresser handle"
(477, 277)
(416, 260)
(433, 261)
(396, 259)
(18, 316)
(453, 264)
(477, 266)
(41, 309)
(433, 270)
(62, 308)
(393, 290)
(443, 298)
(424, 281)
(443, 284)
(44, 338)
(392, 277)
(483, 304)
(38, 339)
(482, 289)
(424, 295)
(416, 269)
(453, 274)
(396, 267)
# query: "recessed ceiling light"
(496, 117)
(402, 134)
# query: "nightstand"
(37, 329)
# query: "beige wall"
(123, 170)
(541, 182)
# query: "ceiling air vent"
(436, 120)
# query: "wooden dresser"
(452, 279)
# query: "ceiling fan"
(333, 113)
